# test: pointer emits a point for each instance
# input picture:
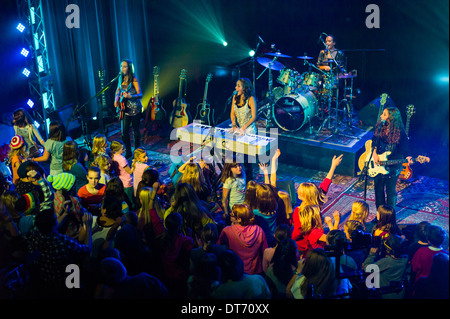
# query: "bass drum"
(293, 111)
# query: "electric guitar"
(382, 168)
(366, 154)
(157, 111)
(407, 172)
(204, 109)
(179, 116)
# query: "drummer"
(328, 54)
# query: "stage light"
(251, 53)
(26, 72)
(20, 27)
(24, 52)
(225, 43)
(94, 118)
(36, 124)
(443, 79)
(30, 103)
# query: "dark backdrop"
(406, 57)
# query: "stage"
(314, 147)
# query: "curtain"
(110, 30)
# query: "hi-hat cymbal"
(274, 65)
(305, 57)
(278, 54)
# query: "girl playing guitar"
(128, 100)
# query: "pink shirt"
(137, 174)
(249, 242)
(122, 162)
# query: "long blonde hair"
(310, 218)
(311, 194)
(22, 152)
(138, 152)
(286, 198)
(145, 196)
(193, 175)
(360, 211)
(98, 144)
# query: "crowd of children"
(134, 237)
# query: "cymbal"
(275, 65)
(346, 75)
(305, 57)
(278, 54)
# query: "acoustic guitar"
(407, 171)
(179, 116)
(204, 109)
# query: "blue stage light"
(24, 52)
(30, 103)
(20, 27)
(251, 53)
(26, 72)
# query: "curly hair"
(393, 128)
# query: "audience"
(133, 235)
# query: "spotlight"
(225, 43)
(36, 124)
(24, 52)
(251, 53)
(30, 103)
(26, 72)
(20, 27)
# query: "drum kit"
(304, 96)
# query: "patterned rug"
(422, 199)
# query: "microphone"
(232, 95)
(260, 39)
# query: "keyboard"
(221, 138)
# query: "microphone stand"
(78, 108)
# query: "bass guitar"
(179, 116)
(407, 172)
(383, 168)
(204, 109)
